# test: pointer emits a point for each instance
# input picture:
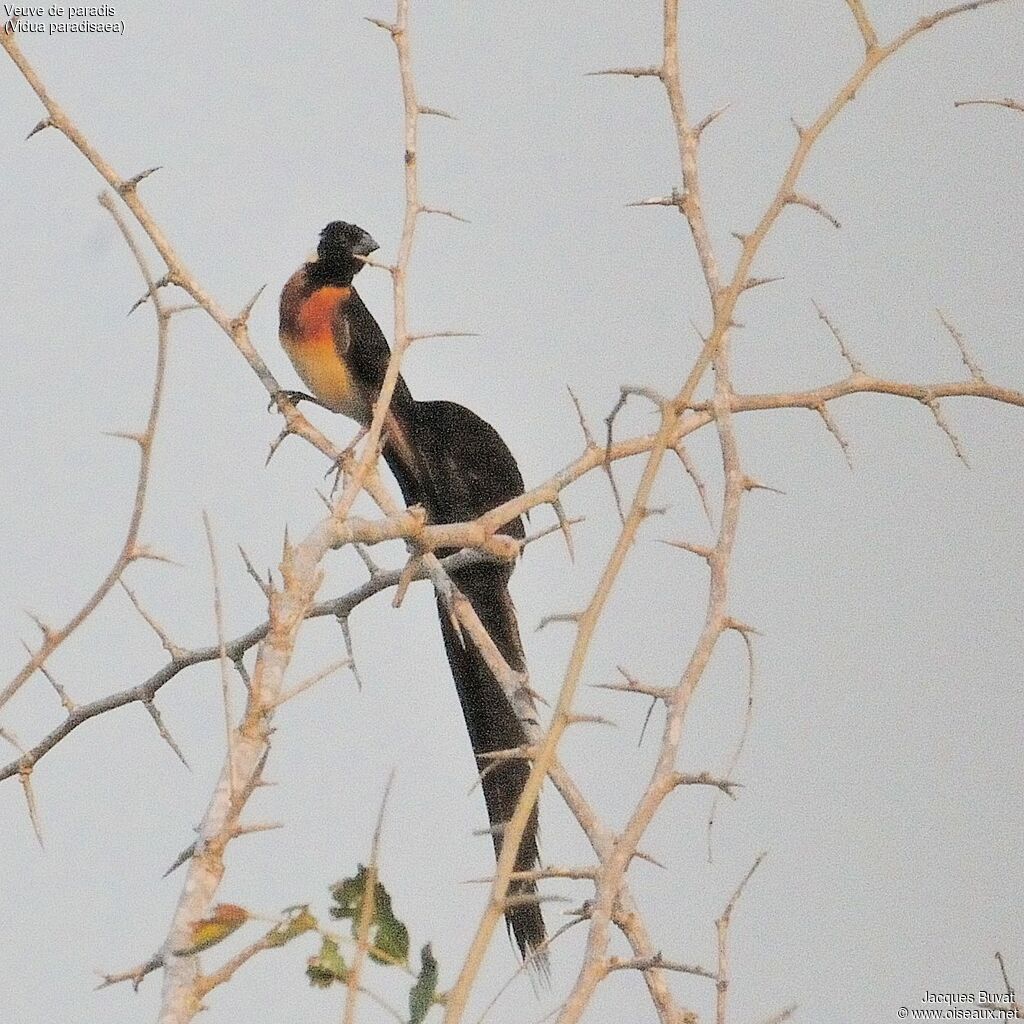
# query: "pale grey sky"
(882, 771)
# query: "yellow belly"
(317, 362)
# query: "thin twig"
(1005, 102)
(722, 933)
(366, 913)
(222, 660)
(53, 637)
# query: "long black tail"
(493, 725)
(455, 464)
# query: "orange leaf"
(225, 919)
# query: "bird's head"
(340, 244)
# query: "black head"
(340, 242)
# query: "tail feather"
(456, 465)
(492, 725)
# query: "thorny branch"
(131, 549)
(723, 299)
(1005, 102)
(724, 978)
(337, 608)
(300, 567)
(680, 415)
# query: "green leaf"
(389, 938)
(300, 921)
(348, 894)
(327, 967)
(421, 996)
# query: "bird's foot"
(294, 397)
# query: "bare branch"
(66, 702)
(173, 649)
(578, 719)
(536, 875)
(1002, 970)
(811, 204)
(165, 735)
(631, 72)
(714, 352)
(710, 119)
(56, 636)
(243, 317)
(863, 384)
(748, 715)
(413, 566)
(722, 929)
(547, 620)
(440, 212)
(1006, 102)
(633, 685)
(208, 982)
(25, 777)
(236, 328)
(564, 526)
(675, 198)
(588, 437)
(524, 966)
(833, 429)
(758, 282)
(609, 421)
(264, 585)
(135, 975)
(312, 680)
(678, 417)
(442, 334)
(969, 361)
(657, 960)
(222, 660)
(844, 350)
(943, 424)
(700, 550)
(129, 184)
(864, 26)
(704, 779)
(782, 1016)
(698, 481)
(366, 912)
(338, 607)
(436, 112)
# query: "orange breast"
(313, 351)
(316, 315)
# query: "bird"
(457, 467)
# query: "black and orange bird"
(457, 467)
